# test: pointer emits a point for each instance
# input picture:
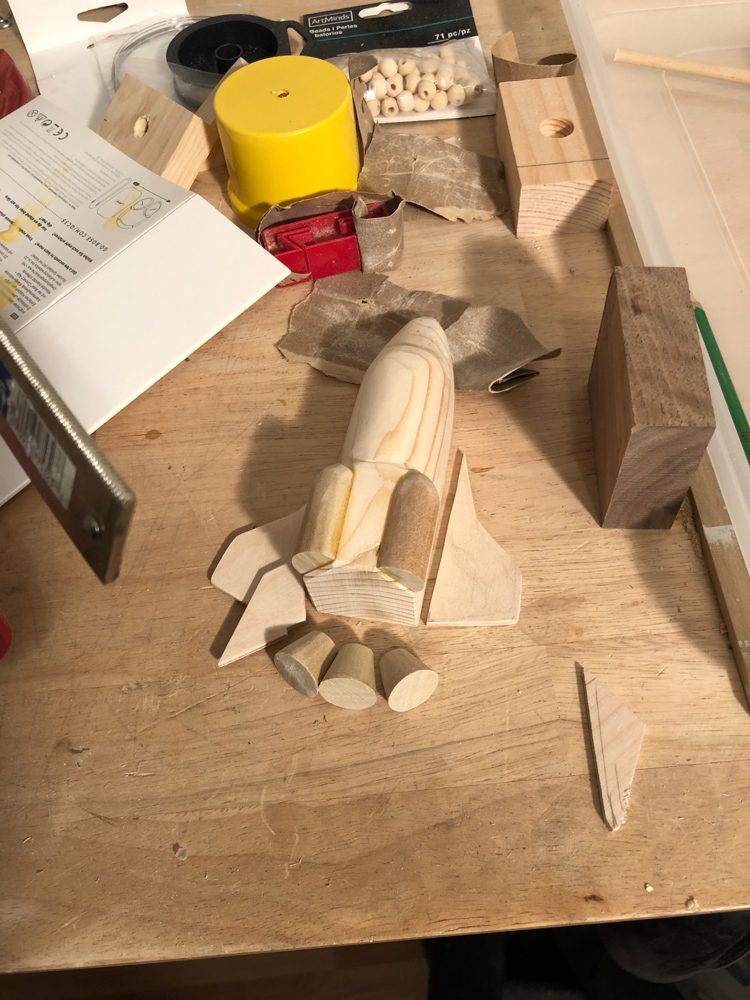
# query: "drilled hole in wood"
(556, 128)
(141, 126)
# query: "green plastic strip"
(725, 381)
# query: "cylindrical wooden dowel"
(350, 680)
(406, 547)
(683, 66)
(305, 661)
(324, 519)
(406, 680)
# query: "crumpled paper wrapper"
(346, 320)
(381, 240)
(437, 175)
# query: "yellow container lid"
(284, 95)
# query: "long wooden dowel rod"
(683, 66)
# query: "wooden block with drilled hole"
(651, 411)
(158, 133)
(556, 166)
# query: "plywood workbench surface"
(157, 807)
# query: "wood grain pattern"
(617, 735)
(119, 737)
(651, 410)
(556, 166)
(477, 582)
(158, 133)
(251, 553)
(277, 603)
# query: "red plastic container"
(323, 245)
(14, 91)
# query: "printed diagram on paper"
(68, 203)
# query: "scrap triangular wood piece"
(277, 604)
(477, 581)
(253, 552)
(617, 734)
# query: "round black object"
(252, 38)
(203, 52)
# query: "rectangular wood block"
(651, 410)
(158, 133)
(556, 166)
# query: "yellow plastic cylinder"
(288, 132)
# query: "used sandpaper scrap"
(437, 175)
(346, 320)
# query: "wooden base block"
(556, 166)
(406, 680)
(361, 593)
(158, 133)
(651, 412)
(304, 662)
(350, 680)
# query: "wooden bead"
(388, 67)
(373, 106)
(446, 53)
(411, 82)
(473, 88)
(389, 107)
(456, 96)
(406, 680)
(303, 663)
(395, 85)
(420, 105)
(379, 87)
(406, 66)
(426, 89)
(350, 680)
(429, 66)
(405, 101)
(461, 62)
(462, 77)
(439, 100)
(444, 78)
(366, 77)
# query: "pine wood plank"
(277, 604)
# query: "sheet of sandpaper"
(437, 175)
(346, 320)
(380, 239)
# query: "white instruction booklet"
(109, 274)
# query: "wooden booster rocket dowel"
(409, 531)
(406, 680)
(350, 680)
(729, 73)
(324, 519)
(305, 661)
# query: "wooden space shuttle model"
(367, 538)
